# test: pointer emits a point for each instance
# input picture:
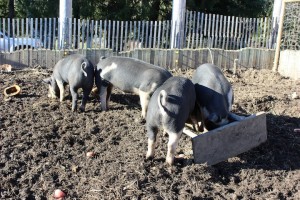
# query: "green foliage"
(135, 9)
(242, 8)
(3, 8)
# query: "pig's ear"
(47, 80)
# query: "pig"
(75, 70)
(131, 76)
(214, 97)
(170, 106)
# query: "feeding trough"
(12, 90)
(230, 140)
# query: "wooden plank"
(129, 36)
(194, 30)
(232, 33)
(158, 34)
(50, 33)
(250, 33)
(134, 33)
(189, 27)
(230, 140)
(150, 36)
(78, 33)
(224, 33)
(121, 36)
(197, 30)
(113, 35)
(168, 31)
(105, 35)
(147, 33)
(154, 35)
(220, 32)
(117, 37)
(18, 32)
(201, 31)
(216, 31)
(109, 35)
(163, 38)
(209, 32)
(138, 34)
(88, 34)
(143, 34)
(125, 38)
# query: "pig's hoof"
(141, 120)
(82, 109)
(149, 157)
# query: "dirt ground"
(44, 145)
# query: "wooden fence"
(167, 58)
(201, 31)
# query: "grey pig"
(170, 106)
(214, 97)
(129, 75)
(75, 70)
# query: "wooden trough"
(230, 140)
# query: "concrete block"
(230, 140)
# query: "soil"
(43, 146)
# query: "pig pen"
(44, 145)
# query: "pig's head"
(214, 121)
(53, 87)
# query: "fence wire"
(291, 30)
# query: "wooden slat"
(88, 34)
(224, 32)
(201, 30)
(83, 27)
(78, 33)
(18, 32)
(13, 32)
(70, 33)
(113, 35)
(213, 31)
(126, 39)
(227, 32)
(167, 43)
(138, 33)
(154, 35)
(232, 33)
(117, 36)
(189, 27)
(220, 32)
(121, 36)
(194, 30)
(143, 34)
(109, 35)
(209, 32)
(158, 34)
(74, 34)
(197, 30)
(101, 34)
(150, 36)
(216, 25)
(147, 33)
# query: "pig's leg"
(103, 96)
(85, 98)
(61, 90)
(144, 99)
(172, 145)
(109, 90)
(74, 98)
(151, 132)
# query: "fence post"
(178, 17)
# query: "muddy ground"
(44, 145)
